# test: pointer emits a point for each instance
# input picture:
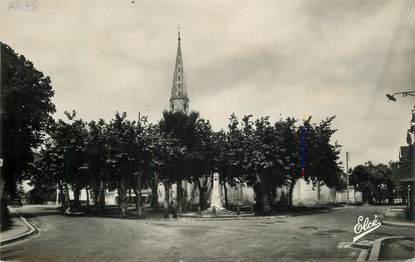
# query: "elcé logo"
(364, 226)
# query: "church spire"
(179, 102)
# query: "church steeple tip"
(179, 102)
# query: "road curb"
(394, 223)
(311, 212)
(32, 231)
(253, 217)
(377, 245)
(231, 218)
(398, 224)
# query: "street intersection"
(312, 237)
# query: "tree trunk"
(122, 198)
(129, 197)
(262, 206)
(290, 194)
(266, 201)
(366, 197)
(179, 198)
(273, 196)
(318, 192)
(258, 206)
(95, 197)
(137, 204)
(76, 193)
(138, 195)
(94, 194)
(61, 196)
(3, 205)
(202, 195)
(67, 200)
(101, 198)
(166, 203)
(87, 198)
(154, 193)
(167, 194)
(225, 191)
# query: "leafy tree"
(361, 178)
(386, 185)
(190, 152)
(202, 159)
(272, 159)
(123, 156)
(262, 153)
(168, 152)
(230, 158)
(44, 170)
(26, 109)
(221, 161)
(143, 157)
(155, 144)
(268, 155)
(178, 130)
(71, 142)
(288, 158)
(97, 153)
(321, 157)
(375, 181)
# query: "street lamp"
(391, 97)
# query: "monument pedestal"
(215, 199)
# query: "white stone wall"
(111, 197)
(303, 195)
(244, 195)
(308, 195)
(355, 197)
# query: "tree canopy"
(26, 109)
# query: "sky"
(267, 58)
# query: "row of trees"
(131, 155)
(376, 182)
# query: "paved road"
(304, 238)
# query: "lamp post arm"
(405, 93)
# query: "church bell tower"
(179, 102)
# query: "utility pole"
(139, 178)
(347, 176)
